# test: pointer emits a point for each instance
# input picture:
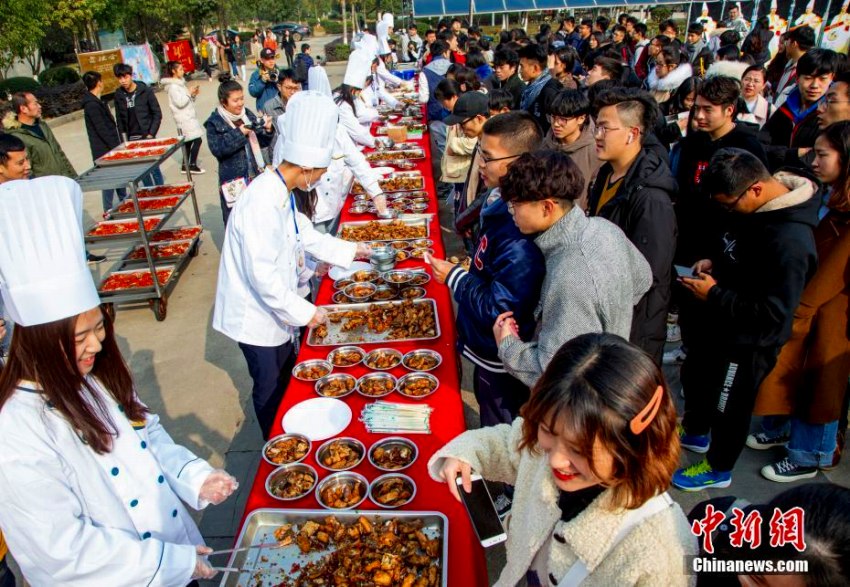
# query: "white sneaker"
(674, 333)
(675, 357)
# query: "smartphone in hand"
(479, 505)
(683, 271)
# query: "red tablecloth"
(466, 557)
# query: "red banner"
(181, 51)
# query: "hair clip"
(645, 417)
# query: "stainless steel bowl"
(422, 353)
(345, 377)
(420, 253)
(400, 245)
(373, 355)
(393, 442)
(346, 349)
(342, 479)
(342, 283)
(397, 277)
(281, 438)
(296, 370)
(408, 483)
(384, 293)
(359, 209)
(376, 377)
(402, 255)
(420, 278)
(365, 275)
(285, 469)
(360, 288)
(352, 443)
(411, 293)
(416, 376)
(418, 206)
(339, 297)
(422, 243)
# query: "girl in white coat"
(354, 114)
(92, 488)
(263, 259)
(590, 459)
(181, 100)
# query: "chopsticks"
(383, 417)
(266, 545)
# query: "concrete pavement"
(196, 379)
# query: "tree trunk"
(344, 25)
(76, 41)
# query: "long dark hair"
(838, 137)
(171, 68)
(345, 93)
(46, 354)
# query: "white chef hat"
(358, 69)
(382, 30)
(309, 129)
(43, 272)
(705, 6)
(810, 5)
(368, 44)
(317, 80)
(774, 5)
(388, 19)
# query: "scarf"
(794, 107)
(694, 49)
(530, 93)
(253, 143)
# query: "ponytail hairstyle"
(226, 86)
(46, 354)
(171, 68)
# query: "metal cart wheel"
(109, 310)
(160, 308)
(193, 252)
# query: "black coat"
(100, 126)
(540, 107)
(513, 84)
(643, 209)
(148, 112)
(786, 138)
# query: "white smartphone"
(482, 512)
(683, 271)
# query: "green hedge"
(58, 76)
(246, 36)
(18, 84)
(337, 52)
(333, 27)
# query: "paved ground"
(196, 379)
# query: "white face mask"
(310, 186)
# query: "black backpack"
(299, 68)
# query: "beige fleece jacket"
(652, 554)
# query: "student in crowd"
(671, 69)
(752, 91)
(793, 128)
(563, 65)
(798, 41)
(45, 153)
(505, 75)
(507, 272)
(699, 54)
(835, 107)
(810, 377)
(101, 129)
(499, 101)
(640, 58)
(137, 112)
(748, 284)
(302, 64)
(572, 132)
(591, 459)
(541, 88)
(181, 101)
(634, 189)
(670, 29)
(585, 30)
(287, 86)
(460, 147)
(236, 137)
(605, 68)
(595, 276)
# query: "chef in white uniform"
(264, 255)
(92, 488)
(347, 163)
(354, 114)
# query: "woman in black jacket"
(236, 137)
(288, 44)
(756, 43)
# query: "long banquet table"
(467, 566)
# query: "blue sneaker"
(701, 476)
(697, 443)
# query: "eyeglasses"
(513, 205)
(829, 101)
(734, 204)
(601, 131)
(558, 120)
(752, 80)
(485, 160)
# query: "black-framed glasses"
(734, 204)
(485, 160)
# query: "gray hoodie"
(594, 278)
(583, 154)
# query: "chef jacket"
(74, 517)
(256, 299)
(347, 162)
(357, 130)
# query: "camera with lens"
(269, 75)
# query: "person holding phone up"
(591, 458)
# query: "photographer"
(263, 84)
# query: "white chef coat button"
(174, 513)
(144, 445)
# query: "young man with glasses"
(747, 284)
(793, 128)
(634, 189)
(506, 272)
(835, 107)
(572, 133)
(594, 275)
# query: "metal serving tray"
(116, 212)
(260, 525)
(412, 154)
(415, 220)
(122, 148)
(161, 218)
(361, 335)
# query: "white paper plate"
(318, 418)
(383, 170)
(340, 272)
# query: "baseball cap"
(266, 54)
(467, 106)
